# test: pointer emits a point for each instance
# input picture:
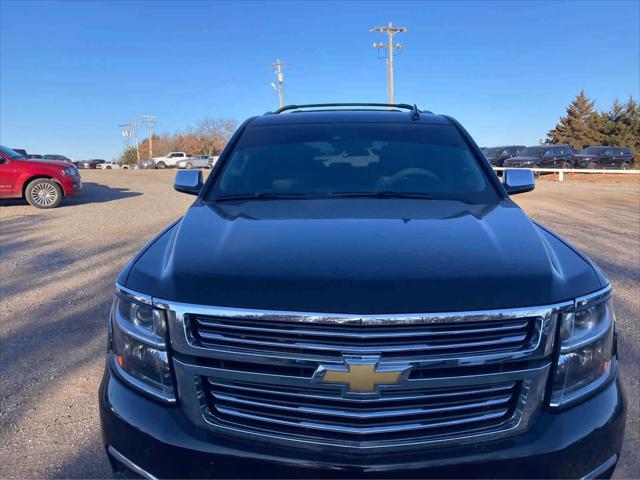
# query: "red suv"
(42, 183)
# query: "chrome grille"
(332, 340)
(471, 376)
(394, 415)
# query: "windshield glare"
(329, 159)
(493, 152)
(533, 152)
(7, 152)
(593, 150)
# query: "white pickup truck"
(171, 159)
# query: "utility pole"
(125, 129)
(135, 128)
(280, 75)
(150, 121)
(389, 49)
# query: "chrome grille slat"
(378, 413)
(388, 396)
(515, 339)
(374, 334)
(326, 339)
(366, 430)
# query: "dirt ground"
(57, 270)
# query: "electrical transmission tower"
(388, 50)
(149, 121)
(280, 75)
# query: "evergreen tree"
(581, 127)
(622, 125)
(632, 114)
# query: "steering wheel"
(407, 173)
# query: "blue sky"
(70, 72)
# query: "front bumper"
(160, 441)
(71, 185)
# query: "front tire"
(43, 193)
(592, 166)
(161, 165)
(566, 165)
(188, 166)
(625, 166)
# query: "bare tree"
(208, 137)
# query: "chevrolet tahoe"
(354, 293)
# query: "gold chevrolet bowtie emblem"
(361, 375)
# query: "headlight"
(586, 351)
(71, 171)
(137, 341)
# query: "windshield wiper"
(383, 194)
(265, 196)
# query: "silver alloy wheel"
(44, 194)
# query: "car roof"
(348, 116)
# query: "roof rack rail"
(415, 113)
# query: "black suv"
(353, 293)
(605, 157)
(543, 156)
(497, 155)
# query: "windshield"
(493, 152)
(347, 158)
(593, 150)
(8, 153)
(533, 152)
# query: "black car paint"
(316, 255)
(556, 156)
(506, 152)
(360, 256)
(164, 442)
(607, 158)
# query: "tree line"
(207, 137)
(583, 126)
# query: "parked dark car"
(61, 158)
(497, 155)
(353, 293)
(542, 156)
(90, 164)
(34, 156)
(605, 157)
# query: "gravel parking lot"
(57, 270)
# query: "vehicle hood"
(59, 163)
(360, 256)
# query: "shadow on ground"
(91, 193)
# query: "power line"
(389, 49)
(280, 76)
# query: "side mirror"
(188, 181)
(518, 181)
